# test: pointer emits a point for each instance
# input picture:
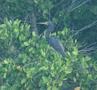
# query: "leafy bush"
(27, 62)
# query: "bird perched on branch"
(54, 41)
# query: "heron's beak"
(43, 23)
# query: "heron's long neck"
(47, 35)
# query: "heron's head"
(43, 23)
(50, 28)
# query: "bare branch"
(58, 4)
(91, 45)
(86, 27)
(78, 6)
(89, 49)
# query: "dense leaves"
(28, 62)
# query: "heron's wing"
(56, 44)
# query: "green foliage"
(28, 62)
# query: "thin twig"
(87, 46)
(78, 5)
(87, 49)
(91, 45)
(57, 4)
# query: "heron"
(54, 41)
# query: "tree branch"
(34, 24)
(86, 27)
(78, 6)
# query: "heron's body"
(56, 44)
